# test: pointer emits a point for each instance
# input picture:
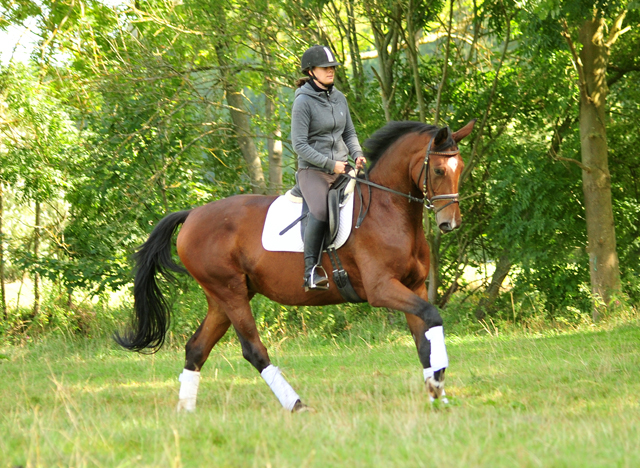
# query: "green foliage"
(121, 118)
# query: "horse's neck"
(394, 171)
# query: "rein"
(428, 202)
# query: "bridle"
(427, 181)
(428, 202)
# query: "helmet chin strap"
(313, 75)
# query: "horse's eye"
(439, 171)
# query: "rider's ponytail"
(300, 82)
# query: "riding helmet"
(318, 56)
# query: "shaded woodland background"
(125, 113)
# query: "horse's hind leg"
(232, 296)
(212, 328)
(434, 381)
(254, 351)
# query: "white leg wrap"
(189, 382)
(438, 358)
(280, 387)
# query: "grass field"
(556, 400)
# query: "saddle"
(338, 193)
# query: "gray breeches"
(314, 186)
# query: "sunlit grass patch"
(561, 399)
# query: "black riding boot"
(314, 275)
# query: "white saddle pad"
(284, 211)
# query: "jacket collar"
(321, 95)
(318, 89)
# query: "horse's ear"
(441, 136)
(464, 131)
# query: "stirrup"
(313, 281)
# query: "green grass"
(556, 400)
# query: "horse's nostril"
(445, 227)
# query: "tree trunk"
(3, 291)
(274, 143)
(445, 67)
(596, 180)
(386, 44)
(242, 125)
(36, 253)
(476, 31)
(412, 56)
(493, 290)
(354, 51)
(274, 133)
(239, 115)
(349, 31)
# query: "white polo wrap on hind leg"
(280, 387)
(438, 358)
(189, 382)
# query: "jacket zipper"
(333, 140)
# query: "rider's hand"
(360, 162)
(340, 168)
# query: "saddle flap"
(339, 191)
(281, 232)
(336, 196)
(333, 202)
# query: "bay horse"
(387, 259)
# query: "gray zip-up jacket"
(321, 129)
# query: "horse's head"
(440, 174)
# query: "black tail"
(152, 312)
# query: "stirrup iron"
(316, 281)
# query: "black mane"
(378, 143)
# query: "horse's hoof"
(300, 407)
(436, 390)
(443, 399)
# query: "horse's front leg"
(425, 324)
(433, 380)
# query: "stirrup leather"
(316, 279)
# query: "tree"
(3, 293)
(596, 179)
(37, 136)
(571, 19)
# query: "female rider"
(323, 135)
